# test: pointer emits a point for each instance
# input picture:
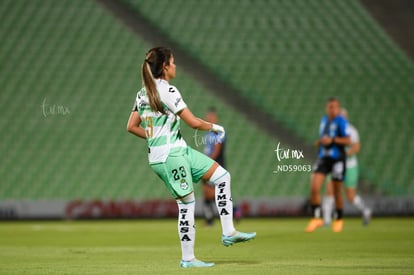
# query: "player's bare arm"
(193, 121)
(197, 123)
(353, 149)
(342, 140)
(133, 125)
(325, 140)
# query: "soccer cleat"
(239, 237)
(195, 263)
(337, 226)
(366, 216)
(313, 224)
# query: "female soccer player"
(156, 117)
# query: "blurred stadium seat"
(69, 73)
(286, 57)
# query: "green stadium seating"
(69, 74)
(288, 57)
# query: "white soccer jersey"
(352, 161)
(162, 131)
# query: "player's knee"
(219, 174)
(315, 190)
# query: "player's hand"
(326, 140)
(215, 128)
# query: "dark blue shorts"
(335, 167)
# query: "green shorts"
(351, 177)
(182, 169)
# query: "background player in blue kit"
(333, 138)
(351, 180)
(214, 147)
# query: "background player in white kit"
(156, 117)
(350, 182)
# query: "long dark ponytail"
(152, 68)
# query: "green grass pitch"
(386, 246)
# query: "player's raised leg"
(221, 178)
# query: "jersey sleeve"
(344, 130)
(322, 126)
(354, 135)
(137, 98)
(135, 107)
(174, 100)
